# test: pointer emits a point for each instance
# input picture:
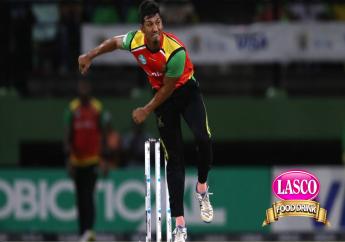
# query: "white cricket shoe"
(88, 235)
(180, 234)
(206, 209)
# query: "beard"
(155, 42)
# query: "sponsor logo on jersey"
(142, 59)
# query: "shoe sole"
(207, 221)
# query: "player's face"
(152, 28)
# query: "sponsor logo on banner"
(297, 190)
(251, 41)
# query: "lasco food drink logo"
(296, 189)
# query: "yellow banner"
(301, 208)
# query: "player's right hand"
(84, 63)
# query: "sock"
(201, 193)
(180, 222)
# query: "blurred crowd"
(43, 38)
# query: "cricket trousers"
(85, 181)
(186, 102)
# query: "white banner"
(217, 44)
(331, 197)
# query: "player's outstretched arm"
(108, 45)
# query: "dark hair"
(148, 8)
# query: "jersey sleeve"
(127, 39)
(176, 64)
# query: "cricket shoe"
(88, 235)
(206, 209)
(180, 234)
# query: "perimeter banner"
(43, 200)
(219, 43)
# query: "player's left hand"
(139, 115)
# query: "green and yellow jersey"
(171, 60)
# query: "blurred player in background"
(86, 124)
(170, 71)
